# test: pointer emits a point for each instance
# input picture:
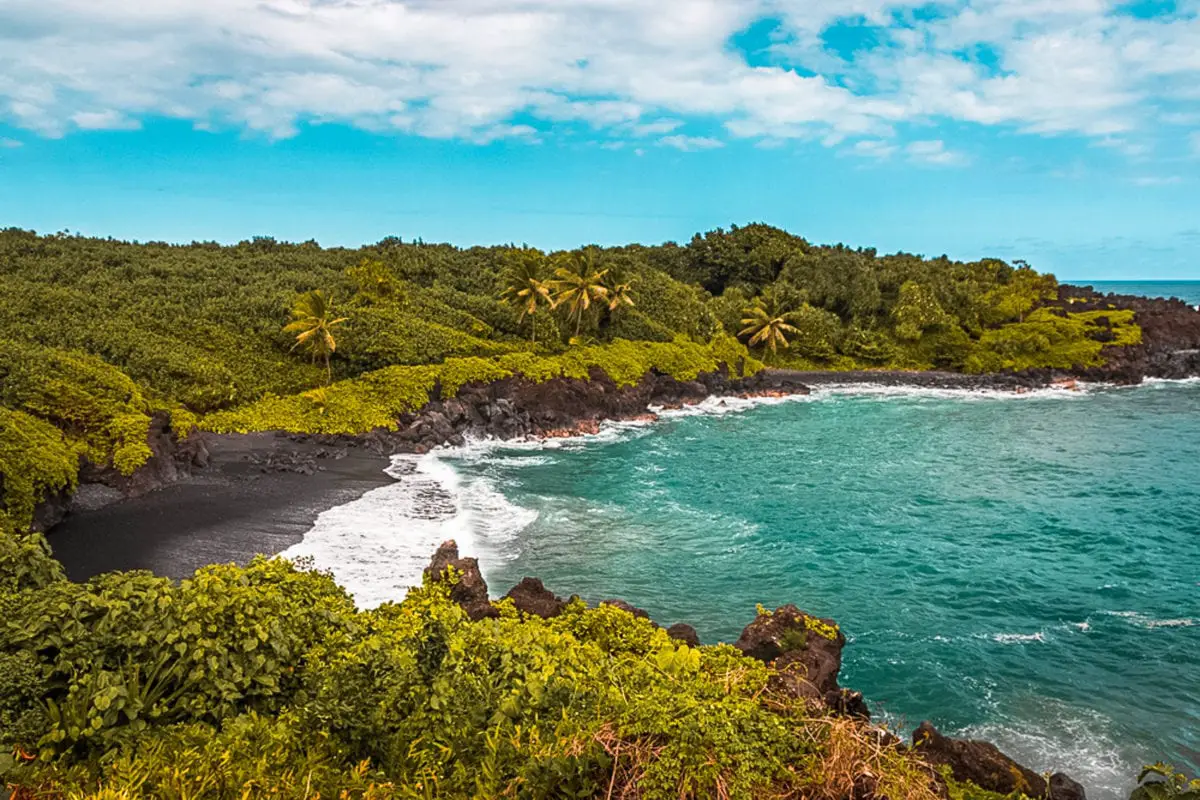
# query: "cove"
(1019, 568)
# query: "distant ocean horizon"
(1187, 291)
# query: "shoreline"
(260, 493)
(238, 506)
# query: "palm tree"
(577, 285)
(620, 294)
(313, 324)
(766, 325)
(524, 286)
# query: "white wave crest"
(378, 545)
(1018, 638)
(719, 406)
(1141, 620)
(1055, 738)
(1171, 381)
(884, 391)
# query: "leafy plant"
(577, 285)
(766, 325)
(1161, 782)
(525, 285)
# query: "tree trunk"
(328, 371)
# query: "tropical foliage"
(266, 682)
(578, 285)
(766, 325)
(102, 341)
(525, 285)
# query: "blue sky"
(1064, 132)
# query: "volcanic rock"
(982, 764)
(685, 633)
(530, 596)
(805, 651)
(470, 590)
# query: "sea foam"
(378, 545)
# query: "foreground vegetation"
(266, 682)
(100, 336)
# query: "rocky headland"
(805, 654)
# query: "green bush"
(265, 682)
(35, 460)
(1046, 339)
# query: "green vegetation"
(1162, 782)
(266, 682)
(766, 325)
(313, 324)
(578, 285)
(99, 337)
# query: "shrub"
(35, 460)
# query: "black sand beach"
(243, 504)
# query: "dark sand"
(231, 511)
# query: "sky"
(1063, 132)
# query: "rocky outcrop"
(806, 653)
(468, 589)
(982, 764)
(685, 633)
(1170, 345)
(621, 604)
(531, 597)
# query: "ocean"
(1187, 291)
(1019, 568)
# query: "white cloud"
(691, 144)
(104, 121)
(1194, 139)
(489, 69)
(1157, 180)
(873, 148)
(10, 144)
(933, 151)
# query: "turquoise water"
(1020, 568)
(1188, 291)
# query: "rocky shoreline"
(513, 408)
(516, 408)
(805, 654)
